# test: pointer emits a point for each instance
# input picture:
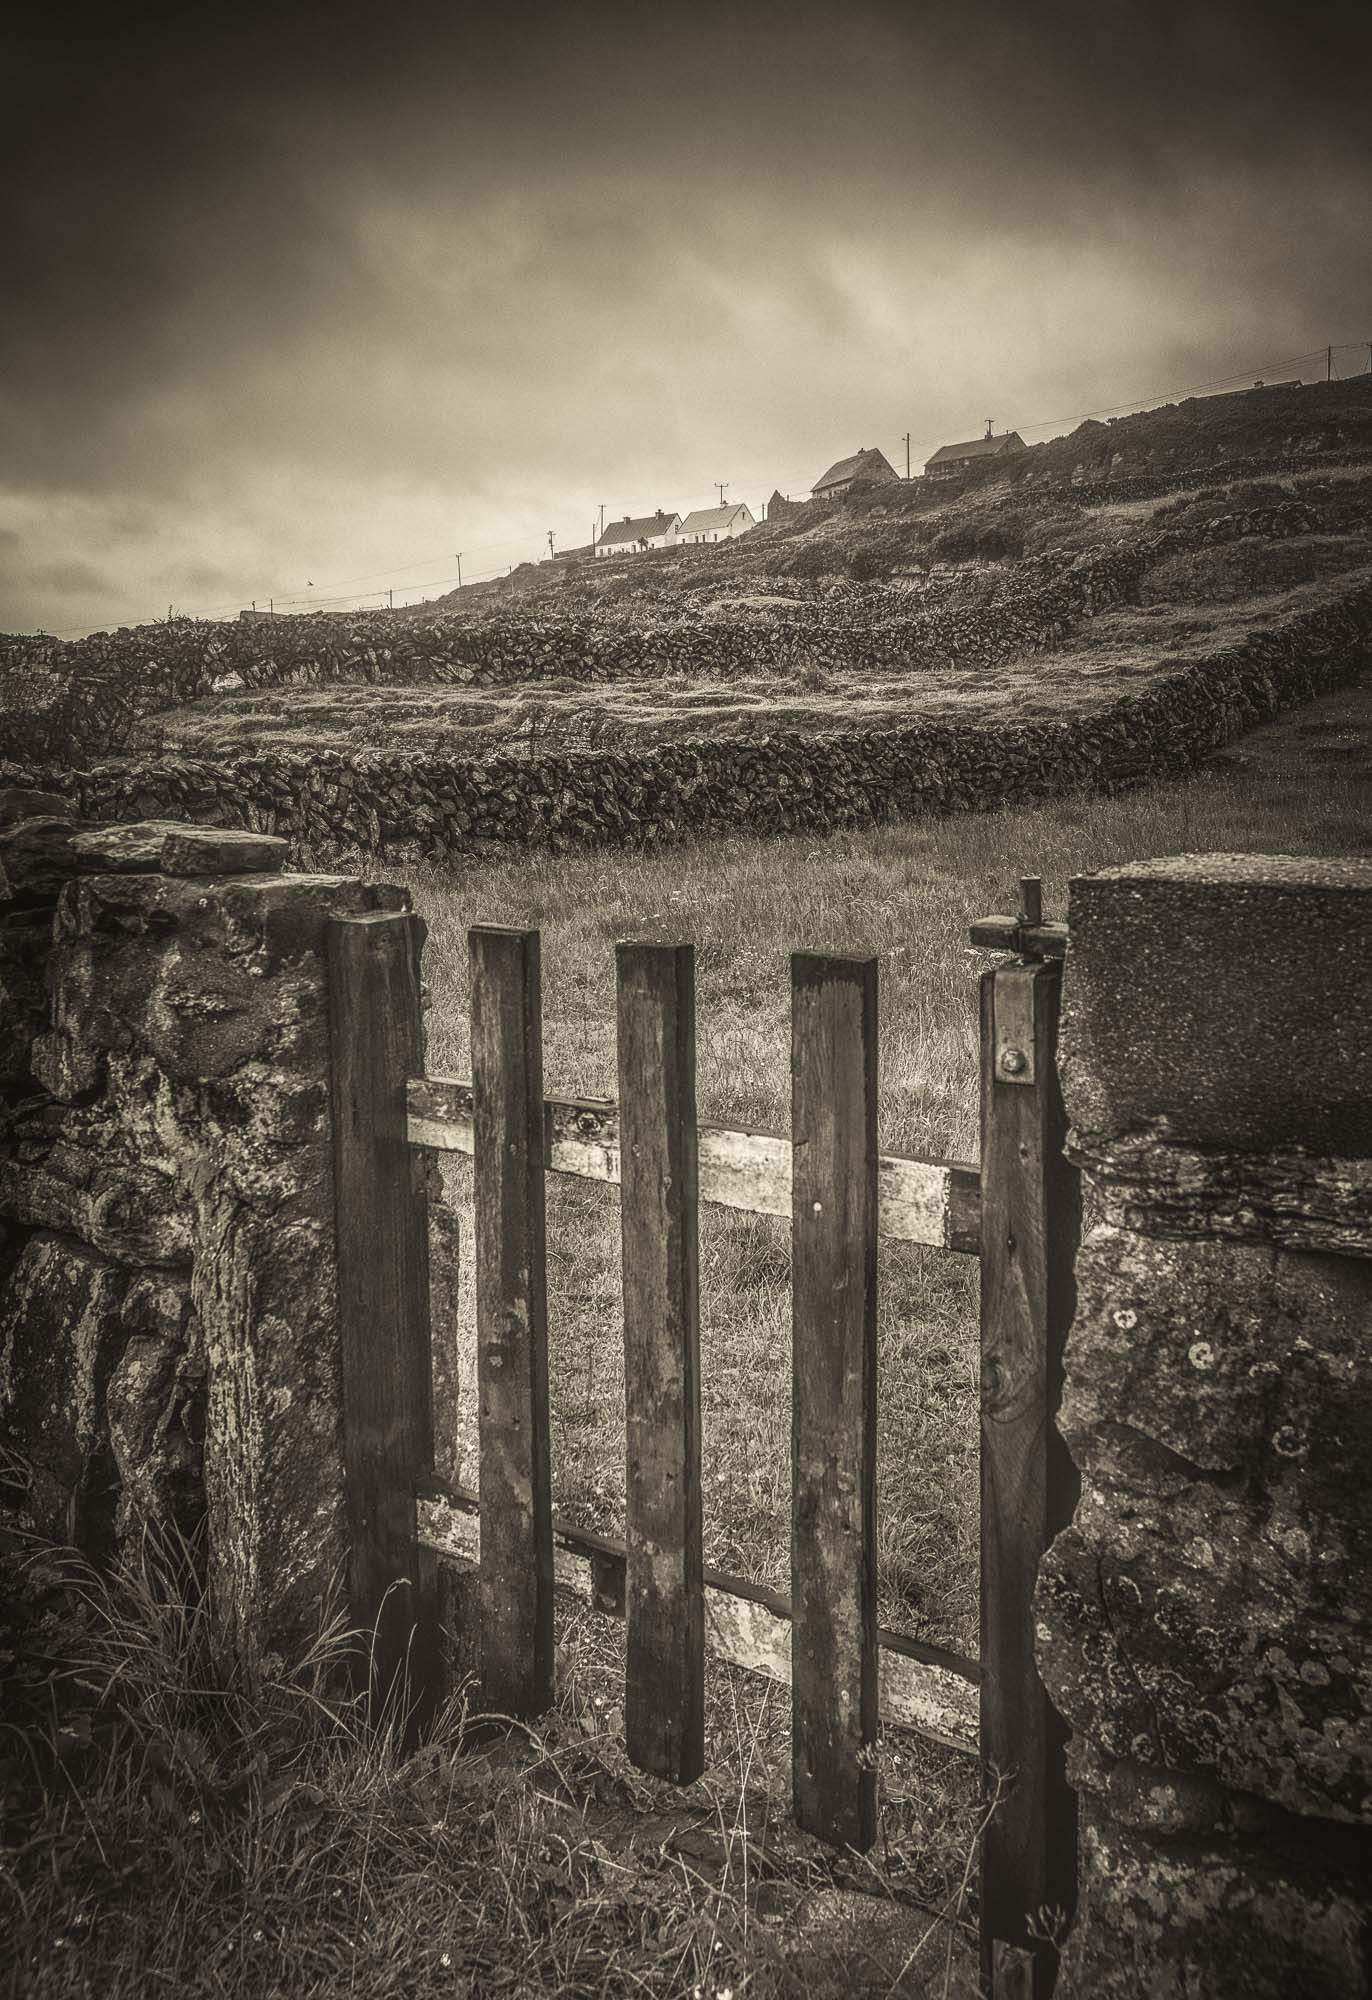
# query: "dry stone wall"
(168, 1341)
(65, 698)
(94, 691)
(1205, 1624)
(1126, 482)
(416, 805)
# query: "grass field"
(164, 1831)
(906, 893)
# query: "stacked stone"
(1097, 486)
(1205, 1625)
(168, 1343)
(411, 805)
(94, 691)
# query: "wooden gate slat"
(834, 1673)
(376, 1042)
(512, 1322)
(664, 1706)
(1030, 1229)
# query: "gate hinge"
(1012, 1005)
(1027, 935)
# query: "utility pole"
(907, 454)
(989, 422)
(390, 600)
(550, 544)
(459, 569)
(1329, 364)
(602, 518)
(721, 487)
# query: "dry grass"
(906, 893)
(167, 1829)
(1230, 572)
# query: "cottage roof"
(641, 529)
(982, 447)
(705, 518)
(853, 468)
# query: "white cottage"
(717, 524)
(630, 537)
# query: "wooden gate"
(1018, 1212)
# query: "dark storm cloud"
(75, 576)
(205, 582)
(279, 280)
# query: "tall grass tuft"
(169, 1826)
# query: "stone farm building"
(950, 461)
(649, 531)
(781, 507)
(717, 524)
(869, 465)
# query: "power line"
(1171, 395)
(342, 594)
(415, 562)
(1139, 403)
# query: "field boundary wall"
(417, 805)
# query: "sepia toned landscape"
(684, 1194)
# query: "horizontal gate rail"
(937, 1202)
(932, 1690)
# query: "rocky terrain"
(1021, 618)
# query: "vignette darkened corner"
(685, 1199)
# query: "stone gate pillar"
(169, 1345)
(1205, 1624)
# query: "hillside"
(1034, 590)
(1028, 504)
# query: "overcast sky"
(325, 301)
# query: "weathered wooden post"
(512, 1322)
(834, 1396)
(380, 1194)
(1030, 1231)
(664, 1703)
